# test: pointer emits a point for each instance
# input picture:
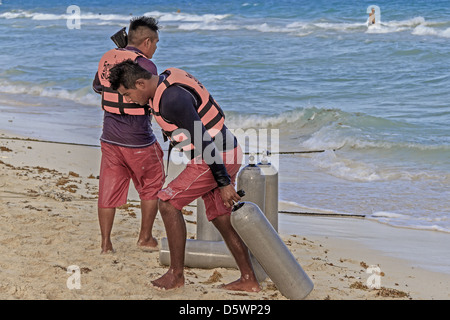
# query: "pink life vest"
(112, 101)
(209, 111)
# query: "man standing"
(129, 147)
(194, 123)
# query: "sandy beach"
(48, 214)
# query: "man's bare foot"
(169, 281)
(148, 245)
(108, 251)
(243, 285)
(107, 248)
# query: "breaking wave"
(183, 21)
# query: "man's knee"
(165, 207)
(222, 222)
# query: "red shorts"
(196, 181)
(120, 164)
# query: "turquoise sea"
(373, 102)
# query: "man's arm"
(96, 86)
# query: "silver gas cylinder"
(252, 180)
(270, 251)
(271, 200)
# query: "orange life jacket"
(112, 101)
(209, 111)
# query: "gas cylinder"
(270, 251)
(205, 229)
(271, 200)
(201, 254)
(252, 180)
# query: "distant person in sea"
(129, 147)
(194, 123)
(372, 17)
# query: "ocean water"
(372, 103)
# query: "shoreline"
(419, 248)
(49, 222)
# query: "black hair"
(126, 74)
(141, 22)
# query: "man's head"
(143, 34)
(132, 81)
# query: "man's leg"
(147, 171)
(238, 249)
(106, 220)
(149, 209)
(176, 237)
(113, 189)
(195, 181)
